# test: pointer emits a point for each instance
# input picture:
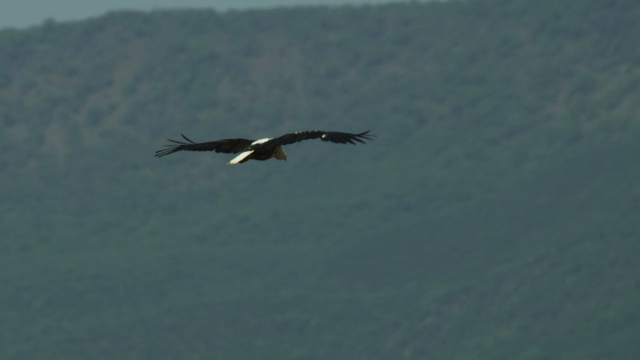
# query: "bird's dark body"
(262, 149)
(261, 155)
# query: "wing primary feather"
(186, 138)
(170, 148)
(175, 142)
(344, 138)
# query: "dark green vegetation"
(495, 216)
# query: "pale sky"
(25, 13)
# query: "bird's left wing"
(332, 136)
(229, 146)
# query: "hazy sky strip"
(25, 13)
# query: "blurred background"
(494, 216)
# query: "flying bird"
(262, 149)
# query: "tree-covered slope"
(495, 215)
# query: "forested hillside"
(494, 216)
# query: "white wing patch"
(261, 141)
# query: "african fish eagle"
(262, 149)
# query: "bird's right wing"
(230, 146)
(331, 136)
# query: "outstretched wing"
(332, 136)
(229, 146)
